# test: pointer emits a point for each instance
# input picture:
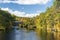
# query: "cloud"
(21, 14)
(26, 1)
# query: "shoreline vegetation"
(46, 21)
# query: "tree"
(6, 19)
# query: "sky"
(25, 8)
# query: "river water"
(21, 34)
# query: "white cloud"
(26, 1)
(21, 14)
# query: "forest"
(49, 20)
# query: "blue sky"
(25, 8)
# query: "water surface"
(21, 34)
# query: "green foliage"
(26, 22)
(6, 19)
(49, 19)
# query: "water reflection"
(21, 35)
(44, 35)
(2, 35)
(57, 35)
(31, 35)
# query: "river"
(21, 34)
